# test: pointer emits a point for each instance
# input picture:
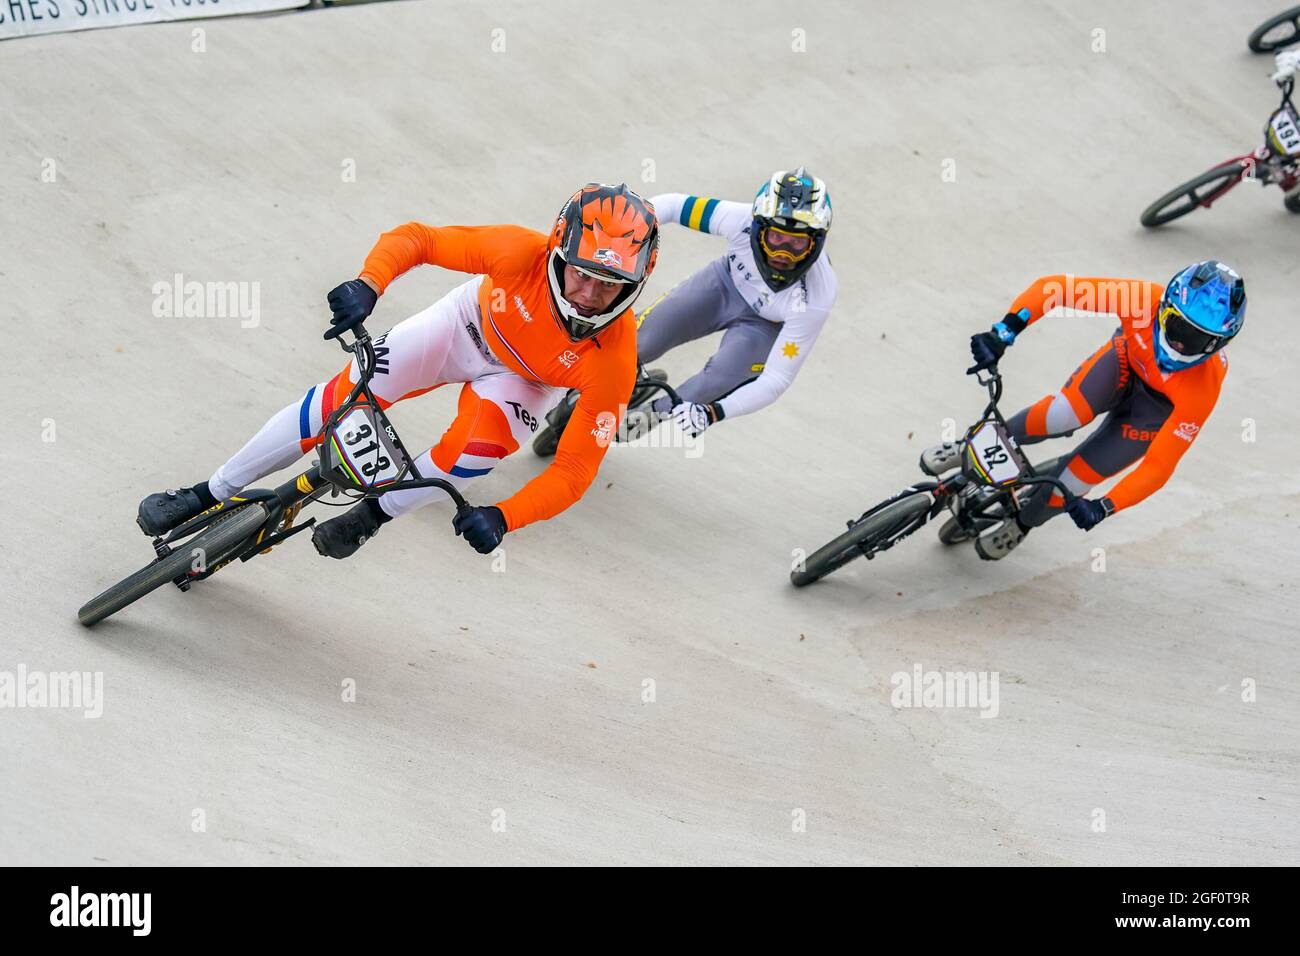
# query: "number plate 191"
(1286, 132)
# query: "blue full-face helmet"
(1203, 307)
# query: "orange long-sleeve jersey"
(520, 329)
(1192, 391)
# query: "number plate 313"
(358, 452)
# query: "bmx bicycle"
(982, 494)
(1277, 162)
(361, 456)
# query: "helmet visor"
(1185, 337)
(600, 274)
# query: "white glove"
(692, 417)
(1287, 63)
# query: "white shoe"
(997, 544)
(935, 461)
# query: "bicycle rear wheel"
(1271, 35)
(218, 541)
(1193, 194)
(874, 532)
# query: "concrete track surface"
(1124, 733)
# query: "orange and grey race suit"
(1152, 416)
(498, 335)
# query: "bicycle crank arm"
(266, 544)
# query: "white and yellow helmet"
(792, 215)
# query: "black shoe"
(169, 509)
(341, 537)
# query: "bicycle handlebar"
(363, 350)
(991, 379)
(1059, 485)
(664, 387)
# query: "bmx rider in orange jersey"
(542, 313)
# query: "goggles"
(1184, 336)
(784, 244)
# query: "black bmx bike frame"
(283, 502)
(943, 491)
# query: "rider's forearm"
(759, 393)
(1127, 298)
(793, 343)
(472, 249)
(563, 482)
(570, 474)
(701, 213)
(1142, 483)
(668, 206)
(397, 251)
(1162, 456)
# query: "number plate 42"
(992, 456)
(357, 451)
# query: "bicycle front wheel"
(1193, 194)
(1282, 30)
(874, 532)
(218, 541)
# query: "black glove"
(352, 302)
(986, 348)
(483, 528)
(1087, 514)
